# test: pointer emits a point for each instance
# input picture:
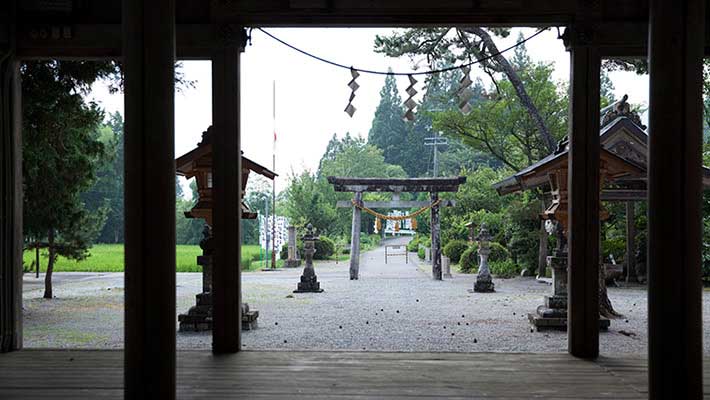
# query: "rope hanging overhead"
(463, 93)
(376, 72)
(395, 217)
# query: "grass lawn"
(109, 258)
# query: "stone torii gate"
(395, 185)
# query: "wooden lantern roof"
(624, 152)
(197, 163)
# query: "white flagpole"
(273, 208)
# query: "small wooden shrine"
(623, 162)
(198, 164)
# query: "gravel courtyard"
(393, 307)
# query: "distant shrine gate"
(395, 185)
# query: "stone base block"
(249, 320)
(292, 264)
(196, 320)
(308, 284)
(557, 302)
(541, 323)
(484, 286)
(447, 276)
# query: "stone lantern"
(484, 280)
(198, 164)
(309, 281)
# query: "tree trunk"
(517, 83)
(37, 266)
(50, 266)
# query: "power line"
(375, 72)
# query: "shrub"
(468, 262)
(421, 253)
(504, 269)
(283, 254)
(454, 249)
(498, 253)
(325, 248)
(413, 244)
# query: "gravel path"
(393, 307)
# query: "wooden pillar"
(583, 184)
(226, 190)
(10, 206)
(435, 239)
(149, 67)
(675, 348)
(355, 239)
(631, 241)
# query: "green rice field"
(109, 258)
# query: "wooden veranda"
(148, 36)
(86, 374)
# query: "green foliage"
(468, 263)
(413, 244)
(503, 127)
(421, 253)
(325, 248)
(107, 190)
(505, 269)
(454, 249)
(62, 151)
(109, 258)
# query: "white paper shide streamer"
(410, 103)
(464, 92)
(353, 85)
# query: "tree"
(107, 191)
(187, 230)
(61, 153)
(258, 194)
(452, 44)
(500, 126)
(389, 132)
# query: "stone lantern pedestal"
(199, 317)
(553, 313)
(309, 281)
(484, 279)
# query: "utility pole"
(436, 141)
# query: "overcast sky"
(311, 96)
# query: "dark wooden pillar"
(583, 231)
(631, 242)
(149, 59)
(675, 348)
(226, 172)
(355, 238)
(435, 239)
(10, 206)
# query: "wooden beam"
(355, 239)
(101, 41)
(342, 184)
(149, 38)
(11, 206)
(226, 191)
(674, 199)
(583, 230)
(623, 195)
(420, 12)
(395, 204)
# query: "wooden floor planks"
(94, 374)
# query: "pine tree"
(389, 132)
